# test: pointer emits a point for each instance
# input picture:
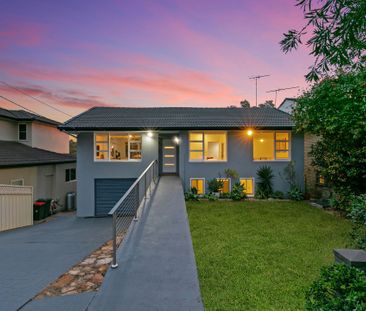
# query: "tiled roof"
(16, 154)
(110, 118)
(22, 115)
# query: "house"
(115, 145)
(33, 152)
(314, 183)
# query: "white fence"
(16, 206)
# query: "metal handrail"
(127, 207)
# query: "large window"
(22, 131)
(248, 184)
(199, 184)
(271, 145)
(118, 146)
(207, 146)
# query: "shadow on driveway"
(32, 257)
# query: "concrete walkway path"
(157, 269)
(32, 257)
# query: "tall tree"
(245, 103)
(338, 35)
(335, 111)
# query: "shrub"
(264, 184)
(339, 287)
(231, 173)
(210, 197)
(278, 195)
(238, 193)
(290, 176)
(357, 213)
(295, 194)
(191, 195)
(214, 185)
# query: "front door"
(169, 156)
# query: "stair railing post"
(114, 229)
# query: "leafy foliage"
(265, 183)
(338, 38)
(214, 185)
(278, 195)
(295, 192)
(210, 197)
(335, 110)
(339, 287)
(231, 173)
(237, 192)
(191, 195)
(245, 104)
(357, 213)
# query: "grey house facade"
(115, 145)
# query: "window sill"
(117, 161)
(288, 160)
(208, 161)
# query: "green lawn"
(261, 255)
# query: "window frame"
(253, 181)
(274, 146)
(69, 170)
(199, 178)
(203, 147)
(109, 160)
(225, 178)
(12, 182)
(26, 131)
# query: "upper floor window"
(207, 146)
(271, 145)
(70, 174)
(22, 131)
(118, 146)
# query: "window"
(270, 146)
(226, 185)
(70, 174)
(22, 131)
(207, 146)
(248, 184)
(118, 146)
(320, 180)
(17, 182)
(199, 184)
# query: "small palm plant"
(264, 184)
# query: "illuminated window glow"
(271, 145)
(248, 184)
(117, 147)
(226, 185)
(199, 184)
(207, 146)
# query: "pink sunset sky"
(78, 54)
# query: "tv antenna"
(256, 86)
(279, 90)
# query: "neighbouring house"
(33, 152)
(115, 145)
(315, 185)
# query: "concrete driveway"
(32, 257)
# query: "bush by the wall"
(357, 213)
(339, 287)
(237, 192)
(264, 182)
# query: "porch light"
(250, 132)
(149, 134)
(176, 140)
(261, 140)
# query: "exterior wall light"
(176, 140)
(150, 134)
(250, 132)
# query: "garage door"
(108, 192)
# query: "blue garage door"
(107, 193)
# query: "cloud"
(20, 33)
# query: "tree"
(245, 104)
(335, 110)
(338, 39)
(267, 103)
